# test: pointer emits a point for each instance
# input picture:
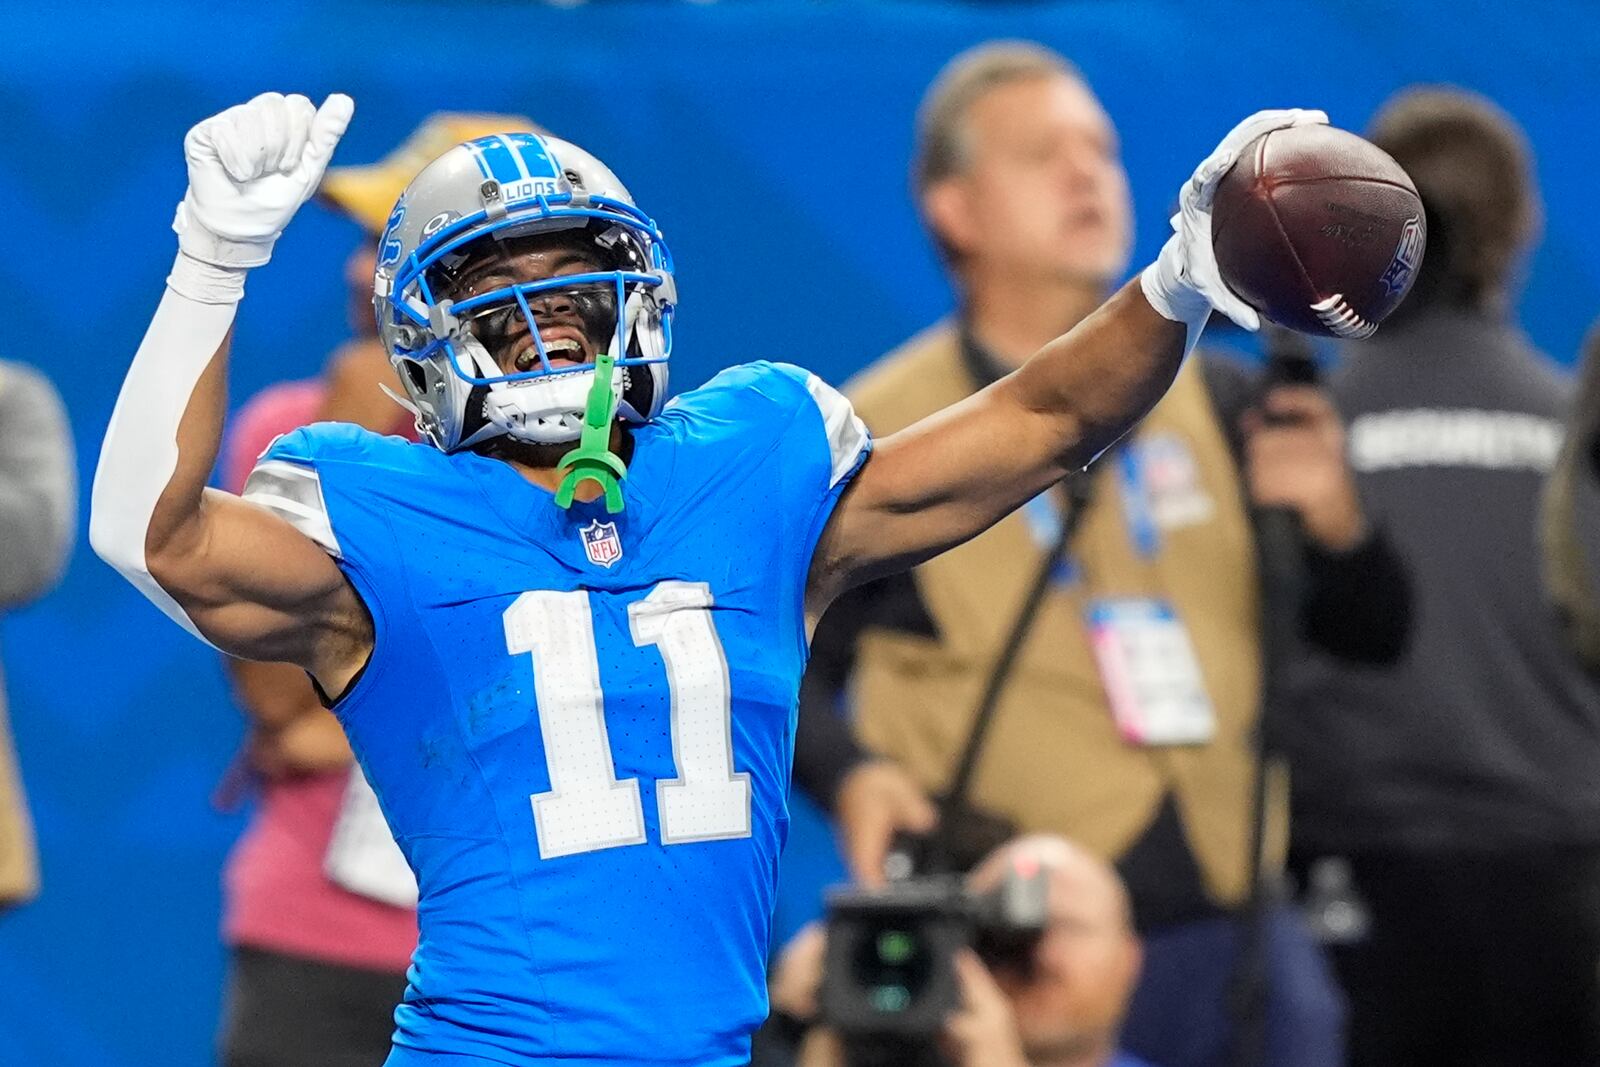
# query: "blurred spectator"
(38, 512)
(1461, 787)
(1571, 524)
(1064, 1012)
(1021, 184)
(315, 968)
(319, 912)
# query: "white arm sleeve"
(140, 452)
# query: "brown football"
(1318, 230)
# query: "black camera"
(888, 979)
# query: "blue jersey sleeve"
(324, 479)
(287, 480)
(335, 484)
(791, 431)
(825, 446)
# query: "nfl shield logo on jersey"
(601, 543)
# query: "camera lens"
(895, 947)
(892, 967)
(890, 999)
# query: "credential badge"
(601, 543)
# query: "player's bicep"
(254, 583)
(941, 481)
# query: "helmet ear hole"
(414, 375)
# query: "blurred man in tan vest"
(1148, 761)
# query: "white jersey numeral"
(707, 800)
(587, 807)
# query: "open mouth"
(560, 349)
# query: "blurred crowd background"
(773, 140)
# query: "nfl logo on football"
(601, 543)
(1406, 256)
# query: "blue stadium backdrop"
(771, 139)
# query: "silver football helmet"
(500, 188)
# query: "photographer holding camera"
(1057, 1001)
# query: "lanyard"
(1137, 510)
(1043, 515)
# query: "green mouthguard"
(593, 460)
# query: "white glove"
(250, 169)
(1184, 283)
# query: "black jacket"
(1486, 734)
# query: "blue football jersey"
(579, 725)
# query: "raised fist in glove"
(1184, 284)
(250, 169)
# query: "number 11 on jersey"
(587, 807)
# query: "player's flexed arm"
(947, 478)
(231, 572)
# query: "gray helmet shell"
(502, 186)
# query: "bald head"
(1088, 959)
(1083, 887)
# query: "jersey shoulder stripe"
(848, 439)
(293, 492)
(288, 477)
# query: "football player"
(565, 633)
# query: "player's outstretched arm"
(228, 571)
(948, 477)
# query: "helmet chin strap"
(593, 460)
